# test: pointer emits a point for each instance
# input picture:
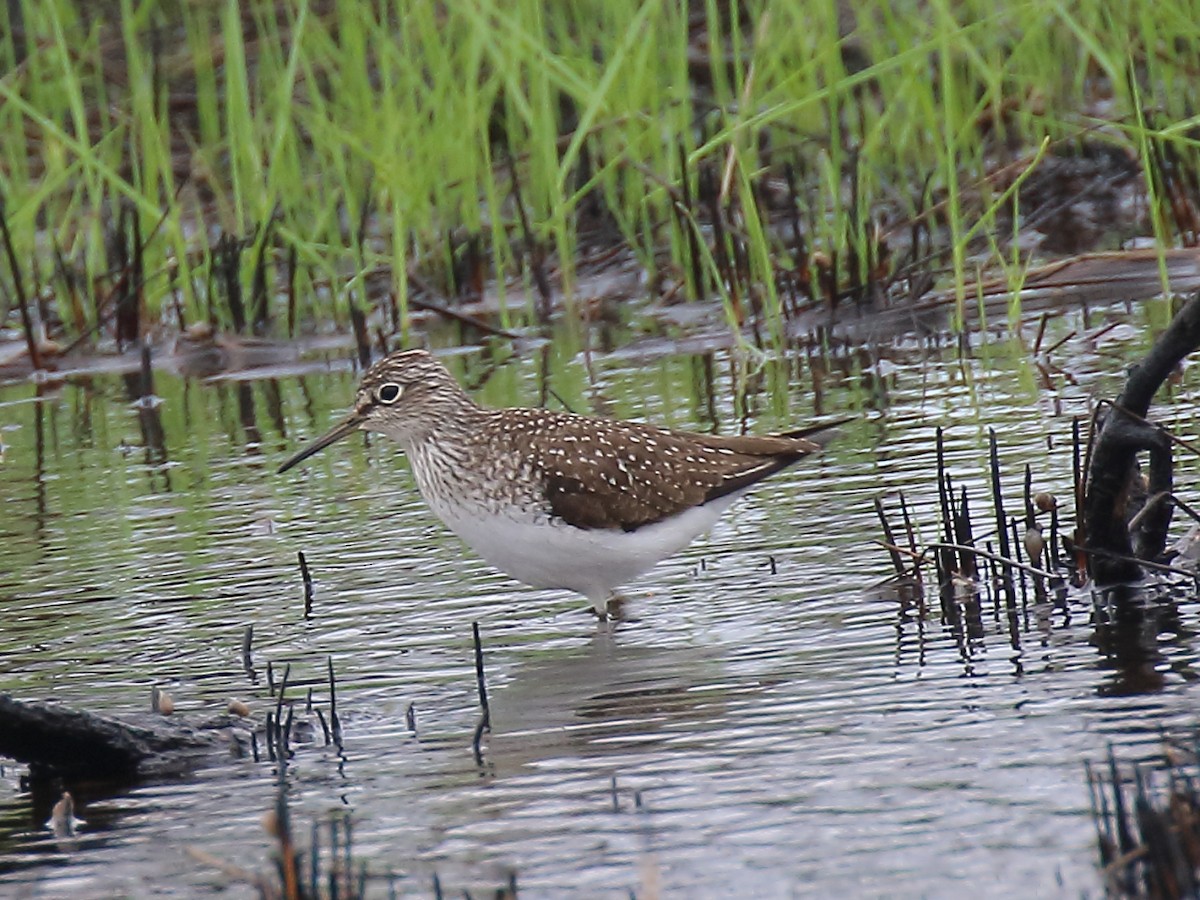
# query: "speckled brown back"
(601, 473)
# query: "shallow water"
(774, 723)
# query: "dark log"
(1116, 490)
(53, 739)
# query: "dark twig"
(287, 671)
(147, 373)
(362, 340)
(1092, 552)
(289, 854)
(998, 501)
(1078, 466)
(897, 562)
(945, 559)
(306, 577)
(693, 245)
(1114, 484)
(485, 721)
(259, 298)
(963, 533)
(285, 753)
(442, 310)
(324, 726)
(291, 291)
(131, 286)
(532, 248)
(1174, 439)
(227, 260)
(335, 723)
(247, 643)
(35, 358)
(102, 317)
(364, 219)
(994, 557)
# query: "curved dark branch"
(1116, 489)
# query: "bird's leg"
(609, 609)
(614, 607)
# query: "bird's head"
(405, 396)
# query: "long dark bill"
(347, 426)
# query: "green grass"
(212, 117)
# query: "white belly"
(548, 553)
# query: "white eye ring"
(389, 393)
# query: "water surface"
(774, 723)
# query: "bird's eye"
(389, 393)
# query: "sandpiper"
(555, 499)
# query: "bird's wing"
(626, 475)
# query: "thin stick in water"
(485, 721)
(324, 725)
(945, 559)
(284, 752)
(287, 671)
(998, 502)
(306, 576)
(335, 723)
(247, 642)
(897, 563)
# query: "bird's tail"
(822, 433)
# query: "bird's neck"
(448, 424)
(445, 457)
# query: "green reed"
(379, 137)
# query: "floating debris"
(161, 702)
(62, 819)
(238, 708)
(1045, 501)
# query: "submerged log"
(1116, 490)
(55, 740)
